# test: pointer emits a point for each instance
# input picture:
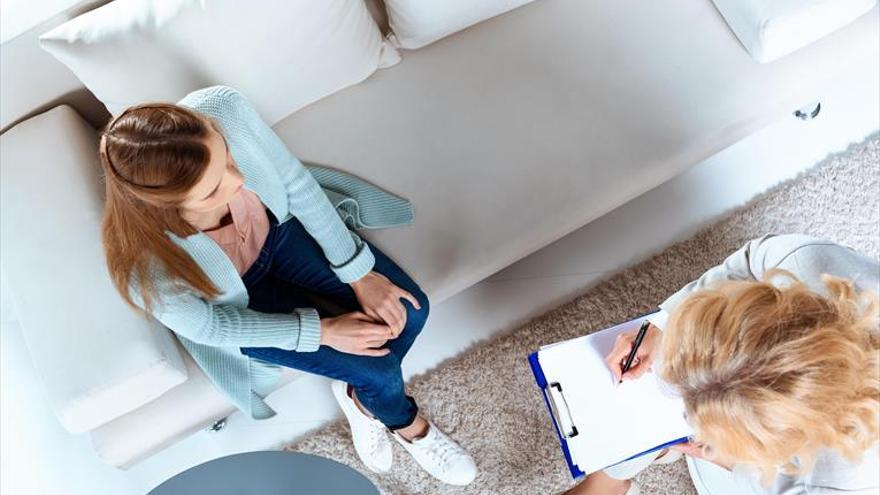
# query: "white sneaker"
(368, 434)
(440, 456)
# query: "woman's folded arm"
(349, 257)
(190, 316)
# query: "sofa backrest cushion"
(283, 54)
(97, 358)
(416, 23)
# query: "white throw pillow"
(770, 29)
(283, 54)
(416, 23)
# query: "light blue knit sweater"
(213, 331)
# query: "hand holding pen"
(633, 352)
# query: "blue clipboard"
(541, 380)
(576, 472)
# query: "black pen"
(635, 348)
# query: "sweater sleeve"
(221, 325)
(349, 257)
(227, 325)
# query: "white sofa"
(505, 136)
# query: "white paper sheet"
(613, 422)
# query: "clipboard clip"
(558, 407)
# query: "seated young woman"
(212, 227)
(776, 354)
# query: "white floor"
(39, 457)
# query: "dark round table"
(268, 473)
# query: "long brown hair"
(152, 155)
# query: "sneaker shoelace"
(376, 433)
(441, 450)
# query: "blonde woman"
(775, 353)
(212, 227)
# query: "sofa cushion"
(521, 129)
(183, 411)
(416, 23)
(772, 29)
(97, 358)
(130, 51)
(188, 408)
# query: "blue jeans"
(290, 266)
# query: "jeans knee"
(385, 378)
(392, 385)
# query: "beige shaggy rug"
(486, 397)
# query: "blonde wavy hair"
(773, 373)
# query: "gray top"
(807, 258)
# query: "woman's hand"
(644, 356)
(695, 449)
(355, 333)
(380, 300)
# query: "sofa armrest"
(97, 358)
